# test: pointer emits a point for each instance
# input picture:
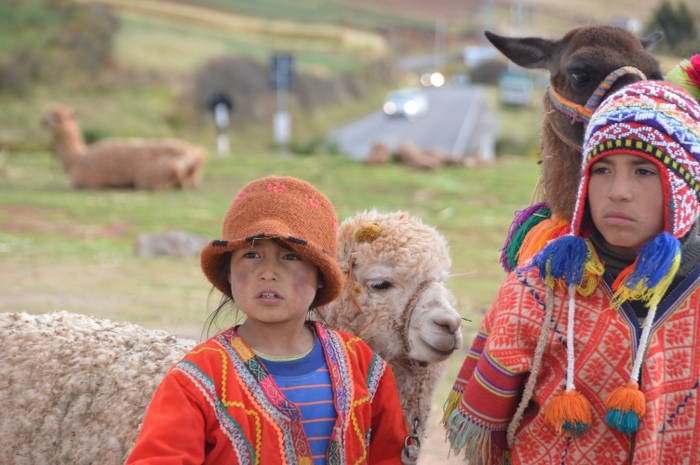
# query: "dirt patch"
(25, 219)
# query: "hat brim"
(215, 252)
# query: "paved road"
(457, 118)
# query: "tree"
(678, 26)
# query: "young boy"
(277, 389)
(591, 354)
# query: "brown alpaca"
(129, 163)
(577, 64)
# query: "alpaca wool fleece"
(397, 248)
(74, 388)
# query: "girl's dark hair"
(224, 271)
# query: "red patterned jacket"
(490, 382)
(220, 406)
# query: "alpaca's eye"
(379, 285)
(580, 78)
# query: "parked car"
(516, 88)
(408, 103)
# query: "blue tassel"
(627, 422)
(564, 258)
(655, 260)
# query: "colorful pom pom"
(653, 271)
(570, 411)
(687, 75)
(626, 406)
(524, 221)
(564, 258)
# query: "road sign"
(281, 71)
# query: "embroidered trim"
(231, 428)
(376, 371)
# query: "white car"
(407, 103)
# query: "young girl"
(591, 355)
(277, 389)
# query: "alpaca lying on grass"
(74, 388)
(129, 163)
(395, 299)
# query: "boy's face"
(272, 284)
(625, 198)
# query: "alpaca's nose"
(450, 323)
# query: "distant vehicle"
(434, 79)
(408, 103)
(515, 88)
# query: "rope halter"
(582, 113)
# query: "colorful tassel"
(626, 406)
(656, 265)
(450, 405)
(476, 441)
(535, 240)
(570, 411)
(522, 224)
(564, 258)
(592, 272)
(687, 75)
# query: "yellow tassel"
(627, 399)
(593, 270)
(568, 410)
(650, 295)
(450, 405)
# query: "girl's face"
(625, 198)
(272, 284)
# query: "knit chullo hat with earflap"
(660, 122)
(284, 208)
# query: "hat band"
(650, 150)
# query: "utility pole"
(281, 77)
(438, 45)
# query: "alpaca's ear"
(528, 52)
(651, 40)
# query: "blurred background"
(310, 88)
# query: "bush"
(53, 39)
(678, 26)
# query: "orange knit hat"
(281, 208)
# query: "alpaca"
(395, 299)
(577, 64)
(133, 163)
(75, 388)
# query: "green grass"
(64, 249)
(147, 42)
(44, 223)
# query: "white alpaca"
(130, 163)
(396, 300)
(74, 388)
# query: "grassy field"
(74, 250)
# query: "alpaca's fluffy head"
(393, 260)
